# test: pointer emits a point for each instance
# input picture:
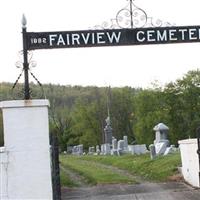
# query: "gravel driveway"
(142, 191)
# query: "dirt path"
(79, 180)
(123, 172)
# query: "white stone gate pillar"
(26, 140)
(190, 161)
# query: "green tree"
(183, 100)
(88, 119)
(60, 125)
(122, 112)
(150, 109)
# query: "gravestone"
(120, 147)
(131, 149)
(161, 141)
(114, 146)
(77, 150)
(114, 143)
(74, 150)
(161, 133)
(91, 151)
(102, 149)
(161, 148)
(168, 151)
(171, 149)
(107, 150)
(125, 138)
(108, 131)
(69, 149)
(152, 150)
(80, 150)
(98, 150)
(137, 149)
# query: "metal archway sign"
(132, 26)
(116, 37)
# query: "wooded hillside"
(77, 114)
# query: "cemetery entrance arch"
(131, 26)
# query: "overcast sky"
(136, 66)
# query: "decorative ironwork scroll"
(17, 89)
(131, 16)
(131, 26)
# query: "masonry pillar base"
(26, 143)
(190, 161)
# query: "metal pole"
(55, 167)
(25, 63)
(131, 12)
(108, 101)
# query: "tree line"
(77, 114)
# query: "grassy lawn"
(159, 169)
(65, 180)
(94, 173)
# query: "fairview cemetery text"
(112, 37)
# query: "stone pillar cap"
(161, 127)
(24, 103)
